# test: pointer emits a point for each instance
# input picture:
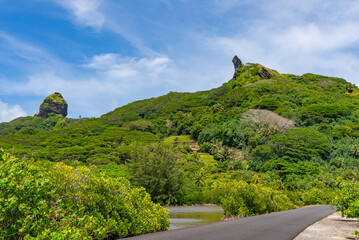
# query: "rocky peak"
(53, 103)
(236, 62)
(237, 65)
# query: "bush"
(243, 199)
(55, 201)
(317, 196)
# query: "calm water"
(181, 217)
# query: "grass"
(178, 139)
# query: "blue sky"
(102, 54)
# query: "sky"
(103, 54)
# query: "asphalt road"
(284, 225)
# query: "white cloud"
(298, 37)
(145, 71)
(8, 113)
(112, 80)
(85, 12)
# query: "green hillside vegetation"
(45, 200)
(266, 142)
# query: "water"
(181, 217)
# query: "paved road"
(274, 226)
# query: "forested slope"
(262, 142)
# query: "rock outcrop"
(54, 103)
(264, 73)
(236, 62)
(237, 65)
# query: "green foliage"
(317, 113)
(301, 144)
(178, 139)
(341, 131)
(317, 196)
(260, 155)
(44, 200)
(156, 168)
(243, 199)
(347, 199)
(283, 168)
(251, 73)
(141, 125)
(246, 129)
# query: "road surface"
(284, 225)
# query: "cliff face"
(54, 103)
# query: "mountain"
(287, 132)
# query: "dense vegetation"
(44, 200)
(257, 144)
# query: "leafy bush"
(156, 168)
(44, 200)
(317, 196)
(243, 199)
(347, 200)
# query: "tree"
(301, 144)
(268, 122)
(156, 168)
(199, 178)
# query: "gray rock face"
(236, 62)
(54, 103)
(263, 73)
(237, 65)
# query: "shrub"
(347, 200)
(55, 201)
(243, 199)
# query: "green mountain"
(280, 133)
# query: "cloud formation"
(8, 113)
(298, 37)
(106, 79)
(85, 12)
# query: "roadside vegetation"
(257, 144)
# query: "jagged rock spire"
(236, 62)
(237, 65)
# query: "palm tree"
(199, 178)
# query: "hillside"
(277, 136)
